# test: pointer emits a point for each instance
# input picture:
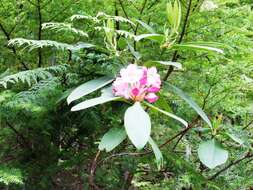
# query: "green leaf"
(163, 104)
(88, 88)
(157, 152)
(190, 101)
(138, 125)
(136, 54)
(106, 96)
(146, 26)
(211, 154)
(198, 47)
(235, 138)
(168, 114)
(112, 139)
(163, 63)
(156, 37)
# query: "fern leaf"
(119, 32)
(10, 176)
(63, 27)
(84, 17)
(32, 76)
(33, 44)
(101, 16)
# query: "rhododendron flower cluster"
(137, 83)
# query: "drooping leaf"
(88, 88)
(168, 114)
(112, 139)
(138, 125)
(146, 26)
(211, 154)
(157, 152)
(136, 54)
(190, 101)
(163, 63)
(198, 47)
(156, 37)
(106, 96)
(235, 138)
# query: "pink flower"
(151, 97)
(153, 77)
(137, 83)
(131, 74)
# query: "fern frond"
(63, 27)
(33, 44)
(37, 100)
(119, 32)
(101, 16)
(32, 76)
(38, 93)
(84, 17)
(10, 176)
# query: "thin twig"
(125, 13)
(39, 32)
(247, 125)
(248, 155)
(92, 183)
(140, 16)
(7, 35)
(182, 34)
(20, 135)
(150, 151)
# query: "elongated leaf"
(156, 37)
(157, 152)
(163, 63)
(235, 138)
(211, 154)
(112, 139)
(198, 47)
(88, 88)
(146, 26)
(168, 114)
(190, 101)
(138, 125)
(106, 96)
(136, 54)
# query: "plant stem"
(181, 36)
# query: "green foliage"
(10, 176)
(33, 76)
(46, 146)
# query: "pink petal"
(153, 89)
(135, 91)
(151, 97)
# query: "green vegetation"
(62, 55)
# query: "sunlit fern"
(10, 176)
(63, 27)
(33, 76)
(33, 44)
(101, 16)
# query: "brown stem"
(181, 36)
(7, 35)
(137, 25)
(93, 171)
(247, 125)
(248, 155)
(63, 10)
(25, 142)
(125, 13)
(39, 32)
(184, 131)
